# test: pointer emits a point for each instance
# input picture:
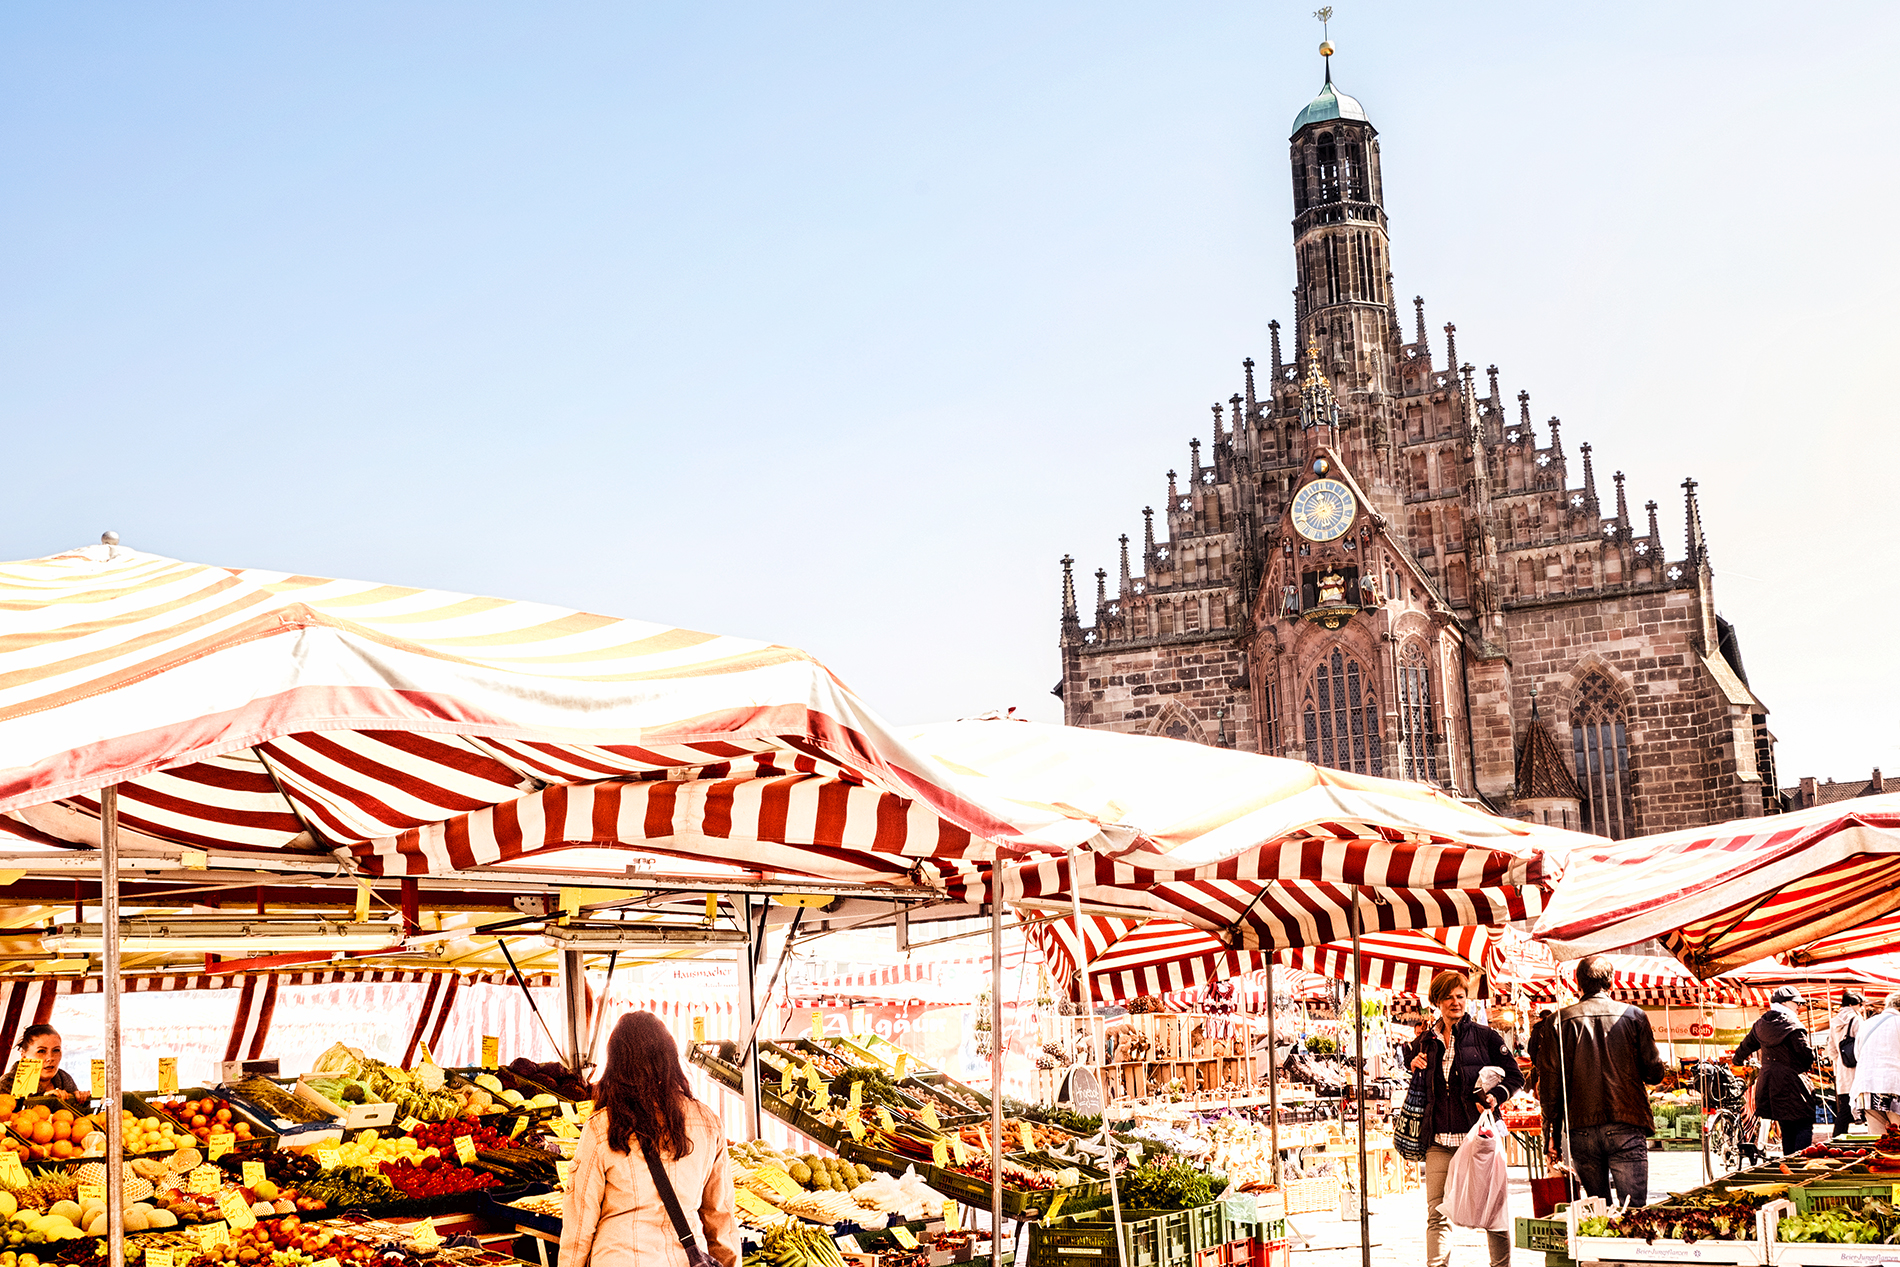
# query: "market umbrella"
(1876, 937)
(1726, 896)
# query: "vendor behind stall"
(42, 1043)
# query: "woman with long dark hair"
(649, 1146)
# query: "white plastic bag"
(1477, 1190)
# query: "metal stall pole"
(754, 926)
(996, 1065)
(1359, 1042)
(115, 1099)
(1087, 992)
(574, 997)
(1273, 1085)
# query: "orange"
(43, 1133)
(62, 1130)
(63, 1115)
(62, 1148)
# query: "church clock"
(1323, 510)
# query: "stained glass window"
(1341, 717)
(1416, 731)
(1599, 737)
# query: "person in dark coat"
(1456, 1048)
(1778, 1040)
(1596, 1103)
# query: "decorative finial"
(1698, 545)
(1325, 16)
(1524, 409)
(1451, 347)
(1126, 579)
(1622, 507)
(1174, 497)
(1655, 536)
(108, 538)
(1068, 592)
(1492, 371)
(1418, 308)
(1589, 479)
(1253, 403)
(1556, 436)
(1278, 364)
(1217, 430)
(1101, 593)
(1148, 539)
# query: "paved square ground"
(1398, 1224)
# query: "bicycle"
(1721, 1120)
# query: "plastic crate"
(1849, 1190)
(1544, 1234)
(1149, 1239)
(1207, 1227)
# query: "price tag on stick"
(218, 1144)
(952, 1216)
(329, 1158)
(1027, 1136)
(491, 1052)
(205, 1180)
(929, 1117)
(12, 1173)
(699, 1029)
(884, 1119)
(903, 1236)
(26, 1079)
(939, 1154)
(818, 1027)
(1055, 1205)
(253, 1173)
(464, 1149)
(92, 1192)
(98, 1079)
(211, 1235)
(168, 1075)
(236, 1210)
(163, 1258)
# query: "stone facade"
(1375, 564)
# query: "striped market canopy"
(1129, 958)
(1726, 896)
(417, 732)
(1877, 937)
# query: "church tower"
(1343, 258)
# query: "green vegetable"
(1170, 1185)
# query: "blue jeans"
(1615, 1153)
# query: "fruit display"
(369, 1150)
(205, 1116)
(442, 1135)
(50, 1134)
(155, 1134)
(795, 1245)
(344, 1075)
(556, 1077)
(434, 1177)
(1694, 1216)
(350, 1187)
(977, 1135)
(1870, 1223)
(833, 1191)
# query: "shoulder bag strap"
(681, 1227)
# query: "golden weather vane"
(1325, 17)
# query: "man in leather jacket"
(1606, 1053)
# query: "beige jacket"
(611, 1215)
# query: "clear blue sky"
(838, 324)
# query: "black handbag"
(1412, 1124)
(681, 1228)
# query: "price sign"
(884, 1118)
(12, 1173)
(398, 1076)
(1027, 1136)
(98, 1079)
(408, 1124)
(163, 1258)
(329, 1158)
(1055, 1205)
(521, 1124)
(92, 1192)
(903, 1059)
(820, 1099)
(755, 1205)
(563, 1171)
(929, 1117)
(168, 1075)
(812, 1079)
(465, 1149)
(26, 1078)
(939, 1153)
(329, 1261)
(854, 1122)
(779, 1182)
(567, 1111)
(963, 1153)
(583, 1109)
(699, 1029)
(566, 1130)
(211, 1235)
(218, 1143)
(818, 1027)
(253, 1173)
(425, 1236)
(428, 1057)
(952, 1216)
(902, 1235)
(205, 1180)
(236, 1210)
(857, 1095)
(491, 1052)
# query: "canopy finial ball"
(109, 538)
(1326, 48)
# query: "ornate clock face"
(1323, 510)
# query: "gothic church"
(1377, 565)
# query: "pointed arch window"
(1416, 728)
(1327, 155)
(1599, 737)
(1341, 717)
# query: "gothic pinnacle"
(1622, 507)
(1233, 405)
(1655, 535)
(1524, 411)
(1126, 579)
(1451, 348)
(1589, 480)
(1217, 430)
(1253, 401)
(1069, 616)
(1174, 496)
(1698, 545)
(1194, 466)
(1556, 437)
(1101, 593)
(1148, 538)
(1418, 307)
(1492, 370)
(1392, 308)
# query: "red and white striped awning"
(1404, 962)
(418, 731)
(1877, 937)
(1726, 896)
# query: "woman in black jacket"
(1455, 1048)
(1779, 1040)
